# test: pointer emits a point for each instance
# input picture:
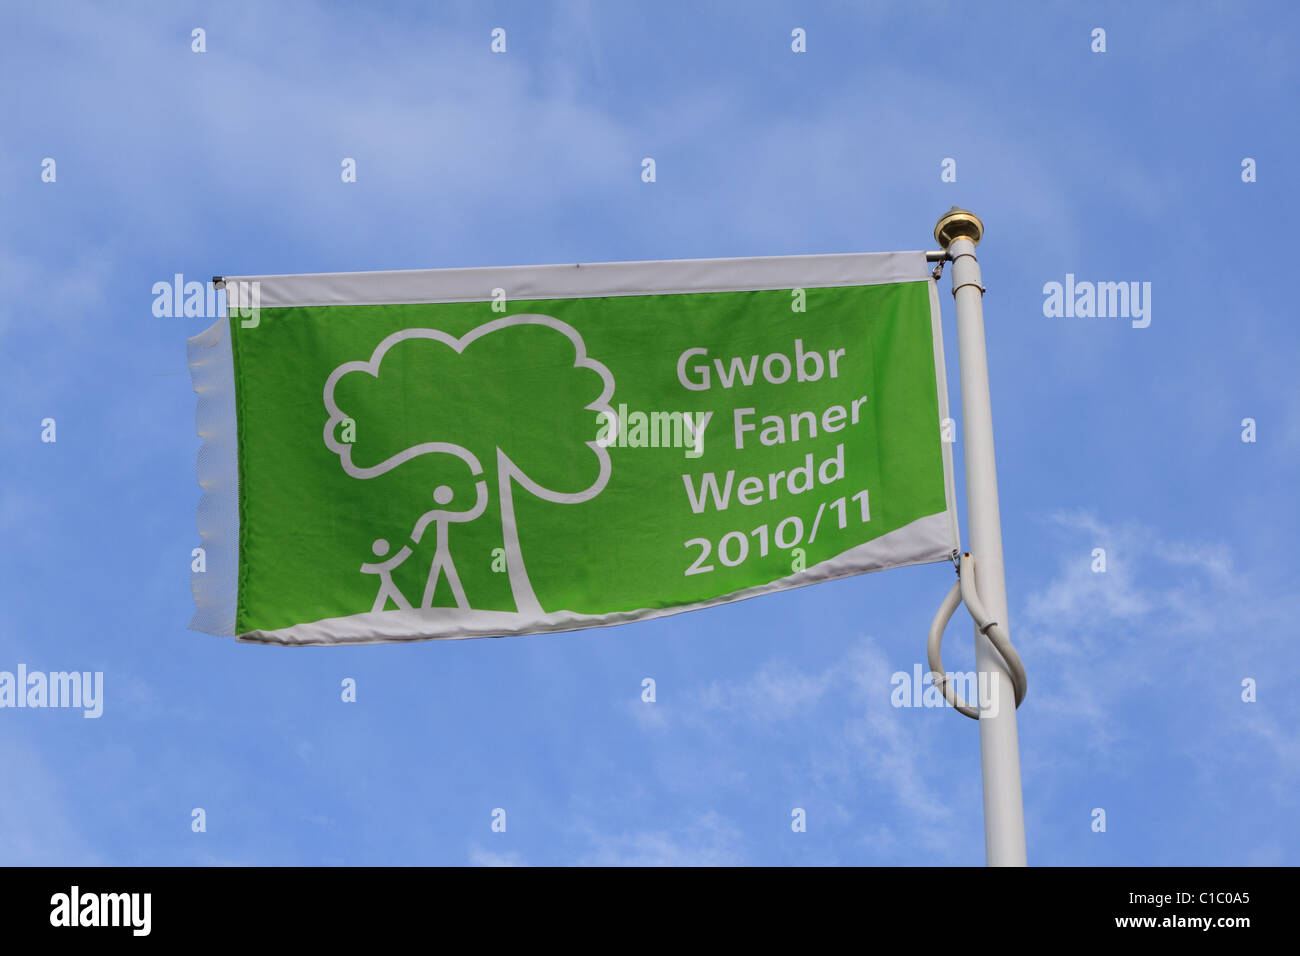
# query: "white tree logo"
(508, 473)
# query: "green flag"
(455, 453)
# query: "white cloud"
(1147, 659)
(833, 737)
(478, 856)
(712, 840)
(38, 822)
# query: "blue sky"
(1115, 166)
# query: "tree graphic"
(517, 393)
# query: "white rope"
(963, 591)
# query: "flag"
(392, 456)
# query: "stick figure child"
(387, 589)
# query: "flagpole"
(958, 231)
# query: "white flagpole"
(958, 231)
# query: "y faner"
(773, 431)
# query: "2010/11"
(733, 547)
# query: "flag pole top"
(958, 224)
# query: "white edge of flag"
(216, 587)
(581, 280)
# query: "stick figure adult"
(442, 562)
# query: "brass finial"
(958, 224)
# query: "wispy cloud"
(711, 840)
(830, 735)
(1142, 667)
(480, 856)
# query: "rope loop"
(963, 592)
